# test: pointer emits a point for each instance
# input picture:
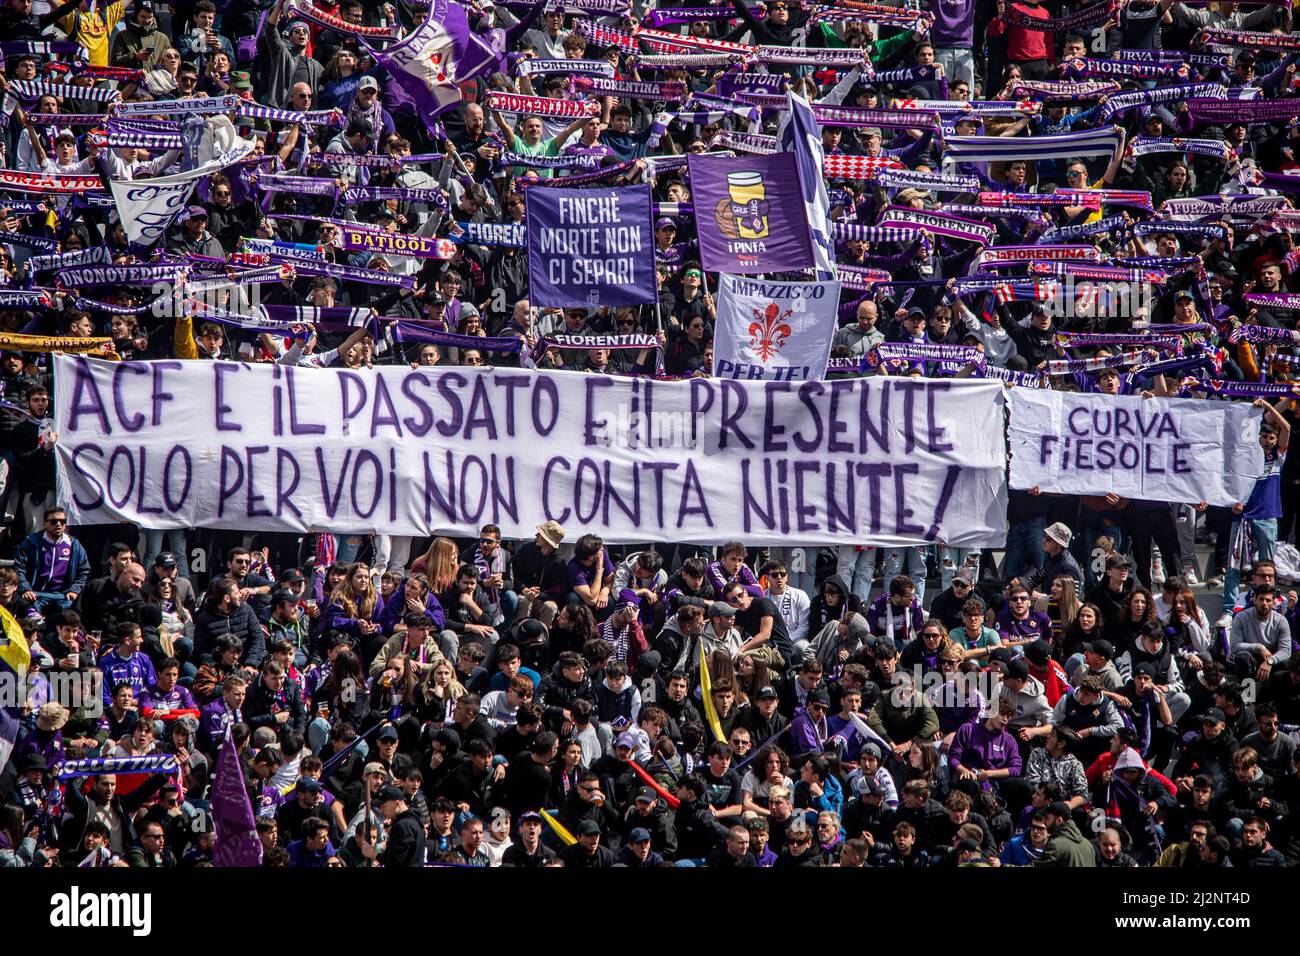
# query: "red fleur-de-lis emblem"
(767, 334)
(435, 59)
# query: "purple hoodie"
(395, 610)
(717, 576)
(954, 23)
(976, 747)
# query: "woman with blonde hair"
(1062, 606)
(439, 564)
(441, 691)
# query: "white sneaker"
(1225, 621)
(1157, 571)
(1189, 575)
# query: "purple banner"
(750, 214)
(590, 247)
(237, 842)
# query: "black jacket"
(210, 624)
(77, 815)
(261, 706)
(663, 835)
(698, 831)
(405, 845)
(577, 858)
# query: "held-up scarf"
(1012, 377)
(984, 282)
(860, 279)
(1262, 333)
(25, 299)
(95, 255)
(688, 61)
(1080, 340)
(1084, 67)
(952, 227)
(50, 343)
(1103, 141)
(756, 143)
(597, 35)
(542, 106)
(1052, 92)
(680, 15)
(657, 38)
(621, 8)
(666, 92)
(21, 182)
(933, 182)
(1062, 197)
(1148, 145)
(303, 185)
(433, 196)
(1278, 182)
(616, 342)
(907, 74)
(345, 273)
(844, 231)
(925, 352)
(405, 331)
(94, 766)
(26, 241)
(119, 139)
(1084, 229)
(1100, 273)
(788, 56)
(194, 106)
(541, 67)
(1274, 300)
(1070, 366)
(1244, 111)
(108, 308)
(308, 118)
(1123, 102)
(1072, 22)
(1035, 291)
(118, 74)
(297, 9)
(64, 48)
(511, 235)
(971, 211)
(381, 160)
(141, 274)
(729, 84)
(284, 250)
(581, 179)
(857, 167)
(314, 315)
(1201, 206)
(362, 239)
(947, 109)
(25, 207)
(31, 90)
(1211, 230)
(1216, 386)
(857, 116)
(1002, 255)
(571, 161)
(1250, 38)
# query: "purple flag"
(590, 247)
(431, 62)
(750, 213)
(237, 842)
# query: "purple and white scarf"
(932, 182)
(1017, 255)
(588, 161)
(1070, 366)
(1149, 145)
(1201, 206)
(829, 56)
(1072, 22)
(1080, 340)
(756, 143)
(687, 61)
(1084, 229)
(1244, 111)
(924, 352)
(433, 196)
(1263, 333)
(1216, 386)
(1062, 92)
(542, 106)
(1250, 38)
(303, 118)
(336, 270)
(1276, 300)
(860, 278)
(996, 212)
(859, 117)
(95, 255)
(729, 84)
(405, 331)
(1103, 141)
(193, 106)
(140, 274)
(581, 179)
(679, 15)
(1085, 67)
(575, 67)
(509, 235)
(31, 90)
(1012, 377)
(303, 185)
(1123, 102)
(666, 92)
(1211, 230)
(28, 242)
(952, 227)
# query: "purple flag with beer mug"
(750, 214)
(237, 843)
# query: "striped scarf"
(1072, 22)
(1103, 141)
(952, 227)
(580, 179)
(828, 56)
(119, 74)
(857, 167)
(540, 67)
(301, 9)
(510, 235)
(1262, 333)
(1024, 291)
(1274, 300)
(688, 61)
(1062, 197)
(673, 41)
(1070, 366)
(356, 194)
(1012, 377)
(274, 115)
(918, 21)
(1086, 67)
(337, 270)
(65, 185)
(1250, 38)
(542, 106)
(1244, 111)
(1150, 145)
(636, 89)
(859, 117)
(1123, 102)
(932, 182)
(194, 106)
(597, 35)
(1084, 229)
(859, 278)
(1100, 273)
(843, 231)
(1053, 92)
(31, 90)
(756, 143)
(995, 212)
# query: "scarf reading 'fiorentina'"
(1250, 38)
(952, 227)
(1085, 229)
(1238, 389)
(1085, 67)
(542, 67)
(1053, 92)
(194, 106)
(859, 278)
(542, 106)
(1274, 300)
(1072, 22)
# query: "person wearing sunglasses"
(799, 850)
(1018, 623)
(762, 624)
(52, 566)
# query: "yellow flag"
(567, 838)
(15, 658)
(706, 691)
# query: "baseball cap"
(388, 733)
(664, 222)
(626, 740)
(1059, 808)
(1213, 716)
(627, 598)
(1183, 294)
(1146, 669)
(638, 835)
(818, 697)
(240, 80)
(374, 767)
(193, 212)
(1039, 652)
(309, 784)
(390, 792)
(646, 795)
(870, 750)
(530, 815)
(1102, 648)
(588, 828)
(292, 576)
(720, 609)
(165, 560)
(965, 577)
(1017, 668)
(1118, 561)
(767, 692)
(368, 83)
(360, 125)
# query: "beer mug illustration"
(748, 205)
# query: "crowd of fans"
(485, 702)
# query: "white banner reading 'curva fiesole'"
(218, 444)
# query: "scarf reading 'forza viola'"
(47, 183)
(1263, 333)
